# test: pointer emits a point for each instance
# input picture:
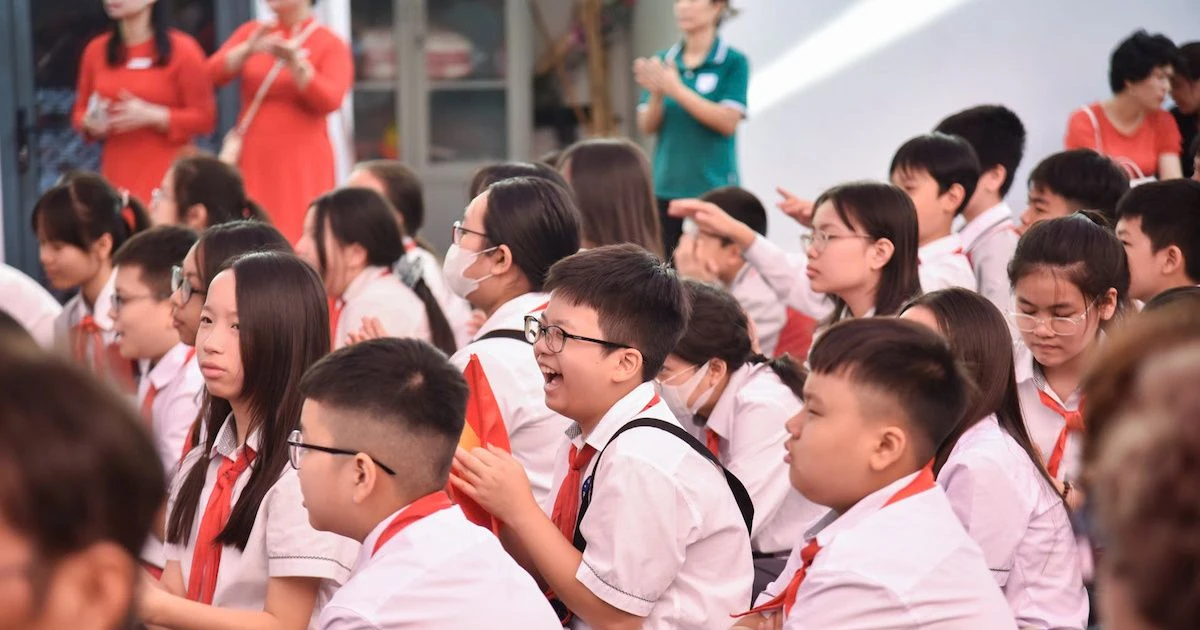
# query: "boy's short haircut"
(1086, 179)
(948, 159)
(741, 204)
(905, 362)
(1136, 57)
(414, 400)
(155, 251)
(1170, 214)
(639, 300)
(997, 135)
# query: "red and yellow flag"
(484, 426)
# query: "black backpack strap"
(506, 333)
(740, 495)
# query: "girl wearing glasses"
(860, 259)
(509, 237)
(1070, 279)
(80, 223)
(202, 191)
(352, 239)
(240, 550)
(993, 475)
(737, 403)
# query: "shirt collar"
(1028, 370)
(628, 408)
(170, 365)
(716, 54)
(945, 246)
(99, 310)
(972, 232)
(226, 444)
(363, 280)
(511, 314)
(721, 420)
(832, 524)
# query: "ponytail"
(790, 371)
(410, 272)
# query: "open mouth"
(553, 379)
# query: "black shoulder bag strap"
(745, 505)
(506, 333)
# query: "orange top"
(137, 159)
(1156, 135)
(287, 159)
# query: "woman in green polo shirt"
(694, 97)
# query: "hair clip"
(408, 270)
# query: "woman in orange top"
(1132, 127)
(143, 91)
(287, 159)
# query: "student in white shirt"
(169, 391)
(989, 236)
(882, 395)
(714, 258)
(374, 465)
(351, 237)
(664, 543)
(860, 260)
(509, 237)
(240, 550)
(28, 303)
(72, 524)
(736, 402)
(80, 223)
(402, 188)
(993, 475)
(940, 173)
(1069, 181)
(1070, 279)
(1159, 225)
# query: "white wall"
(838, 85)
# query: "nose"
(794, 424)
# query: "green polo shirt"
(689, 158)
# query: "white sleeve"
(637, 528)
(990, 508)
(758, 430)
(784, 273)
(342, 618)
(179, 413)
(294, 548)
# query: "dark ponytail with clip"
(83, 207)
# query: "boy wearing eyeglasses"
(649, 534)
(373, 463)
(168, 392)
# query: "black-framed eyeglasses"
(119, 301)
(296, 447)
(556, 337)
(457, 231)
(182, 285)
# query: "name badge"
(139, 63)
(706, 83)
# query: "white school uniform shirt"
(442, 571)
(750, 420)
(1020, 523)
(909, 566)
(456, 309)
(534, 431)
(784, 273)
(1044, 423)
(281, 543)
(179, 382)
(32, 306)
(76, 309)
(762, 306)
(377, 292)
(665, 539)
(989, 242)
(943, 265)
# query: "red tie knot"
(579, 459)
(88, 325)
(809, 552)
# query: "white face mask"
(454, 269)
(676, 395)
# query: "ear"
(103, 246)
(629, 365)
(717, 369)
(880, 253)
(196, 217)
(94, 587)
(953, 198)
(890, 447)
(1172, 260)
(366, 475)
(992, 180)
(502, 260)
(355, 255)
(1107, 305)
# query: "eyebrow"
(1052, 307)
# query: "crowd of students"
(931, 416)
